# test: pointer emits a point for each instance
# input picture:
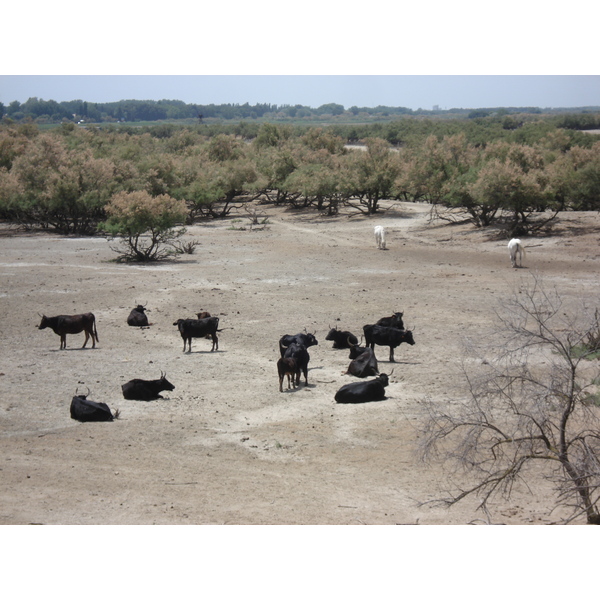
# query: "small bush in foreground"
(144, 224)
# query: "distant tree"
(59, 188)
(574, 178)
(271, 135)
(318, 138)
(315, 183)
(224, 147)
(330, 109)
(369, 176)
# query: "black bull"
(138, 317)
(301, 357)
(363, 391)
(387, 336)
(305, 339)
(363, 365)
(146, 389)
(63, 324)
(197, 328)
(85, 410)
(341, 339)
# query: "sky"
(459, 54)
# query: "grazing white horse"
(380, 237)
(516, 247)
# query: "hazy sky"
(462, 54)
(414, 92)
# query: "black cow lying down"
(363, 391)
(341, 339)
(363, 365)
(356, 350)
(394, 321)
(142, 389)
(138, 317)
(85, 410)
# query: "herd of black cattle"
(387, 331)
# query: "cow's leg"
(87, 337)
(215, 340)
(63, 341)
(392, 354)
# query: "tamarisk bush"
(145, 224)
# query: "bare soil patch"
(226, 447)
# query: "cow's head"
(331, 336)
(166, 385)
(397, 319)
(355, 349)
(311, 340)
(44, 322)
(408, 338)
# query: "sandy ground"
(226, 447)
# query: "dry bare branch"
(526, 409)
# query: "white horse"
(516, 247)
(380, 237)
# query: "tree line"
(50, 111)
(68, 178)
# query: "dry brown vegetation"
(226, 446)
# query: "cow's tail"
(95, 330)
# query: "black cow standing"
(341, 339)
(289, 367)
(305, 339)
(363, 391)
(387, 336)
(142, 389)
(300, 355)
(198, 328)
(138, 317)
(63, 324)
